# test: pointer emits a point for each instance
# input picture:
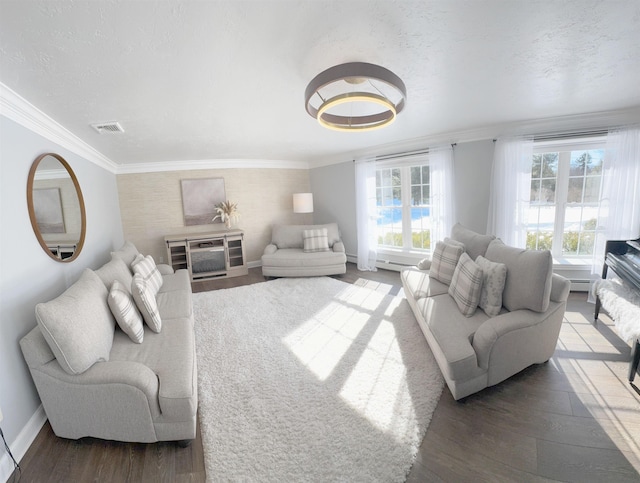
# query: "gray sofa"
(304, 251)
(478, 350)
(94, 380)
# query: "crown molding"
(187, 165)
(19, 110)
(593, 120)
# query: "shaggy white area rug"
(311, 379)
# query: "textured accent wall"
(151, 205)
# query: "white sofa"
(478, 350)
(292, 254)
(94, 380)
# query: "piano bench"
(623, 306)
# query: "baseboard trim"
(22, 443)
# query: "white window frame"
(407, 254)
(564, 148)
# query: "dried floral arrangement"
(227, 212)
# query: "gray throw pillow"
(127, 253)
(474, 243)
(78, 325)
(444, 261)
(529, 273)
(494, 275)
(116, 269)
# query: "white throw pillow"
(494, 275)
(466, 285)
(78, 325)
(146, 302)
(315, 240)
(125, 311)
(444, 261)
(146, 267)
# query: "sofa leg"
(184, 443)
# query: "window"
(403, 200)
(565, 192)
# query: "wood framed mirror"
(56, 207)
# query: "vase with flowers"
(227, 212)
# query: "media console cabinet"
(208, 255)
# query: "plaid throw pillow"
(146, 267)
(125, 311)
(316, 240)
(443, 262)
(466, 285)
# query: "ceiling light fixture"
(355, 96)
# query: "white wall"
(333, 190)
(27, 275)
(334, 199)
(471, 182)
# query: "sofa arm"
(338, 247)
(270, 249)
(424, 264)
(127, 373)
(496, 327)
(560, 287)
(165, 269)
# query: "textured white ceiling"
(192, 80)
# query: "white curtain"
(366, 213)
(510, 190)
(619, 216)
(442, 204)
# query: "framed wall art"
(47, 206)
(199, 200)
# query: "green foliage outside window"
(573, 242)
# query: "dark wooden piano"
(623, 258)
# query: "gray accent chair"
(480, 351)
(285, 255)
(94, 381)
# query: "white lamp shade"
(303, 202)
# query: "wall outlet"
(161, 259)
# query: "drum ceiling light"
(355, 96)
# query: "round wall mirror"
(56, 207)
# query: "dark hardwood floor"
(575, 418)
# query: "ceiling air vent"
(107, 127)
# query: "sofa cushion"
(171, 355)
(296, 257)
(529, 272)
(466, 285)
(474, 243)
(453, 333)
(146, 268)
(419, 284)
(116, 269)
(125, 311)
(290, 236)
(444, 261)
(127, 253)
(315, 240)
(78, 325)
(494, 276)
(146, 302)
